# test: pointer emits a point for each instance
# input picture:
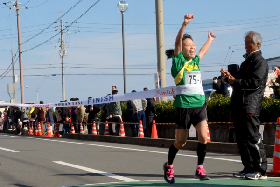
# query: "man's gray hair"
(256, 38)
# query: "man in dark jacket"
(92, 111)
(150, 113)
(9, 117)
(74, 117)
(246, 101)
(223, 87)
(129, 111)
(49, 116)
(66, 119)
(215, 85)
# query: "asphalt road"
(28, 161)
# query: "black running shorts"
(187, 116)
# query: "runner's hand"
(211, 36)
(188, 18)
(225, 73)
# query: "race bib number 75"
(193, 77)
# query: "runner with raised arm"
(190, 109)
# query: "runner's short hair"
(169, 52)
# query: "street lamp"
(16, 93)
(37, 96)
(122, 7)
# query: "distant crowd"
(139, 109)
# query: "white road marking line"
(142, 150)
(114, 176)
(224, 159)
(9, 150)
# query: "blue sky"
(94, 42)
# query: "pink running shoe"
(168, 173)
(200, 173)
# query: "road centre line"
(114, 176)
(9, 150)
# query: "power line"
(52, 23)
(8, 69)
(40, 4)
(197, 23)
(27, 2)
(68, 26)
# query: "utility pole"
(62, 54)
(20, 54)
(16, 6)
(13, 72)
(160, 45)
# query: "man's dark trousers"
(250, 143)
(149, 125)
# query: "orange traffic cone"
(106, 129)
(208, 134)
(121, 131)
(276, 155)
(30, 131)
(175, 133)
(39, 130)
(72, 131)
(154, 130)
(93, 128)
(82, 129)
(36, 129)
(56, 131)
(141, 131)
(49, 133)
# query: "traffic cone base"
(141, 131)
(93, 129)
(30, 131)
(36, 129)
(208, 134)
(82, 129)
(106, 129)
(39, 130)
(276, 156)
(121, 131)
(154, 130)
(72, 131)
(56, 130)
(49, 133)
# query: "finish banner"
(188, 89)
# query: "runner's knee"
(179, 144)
